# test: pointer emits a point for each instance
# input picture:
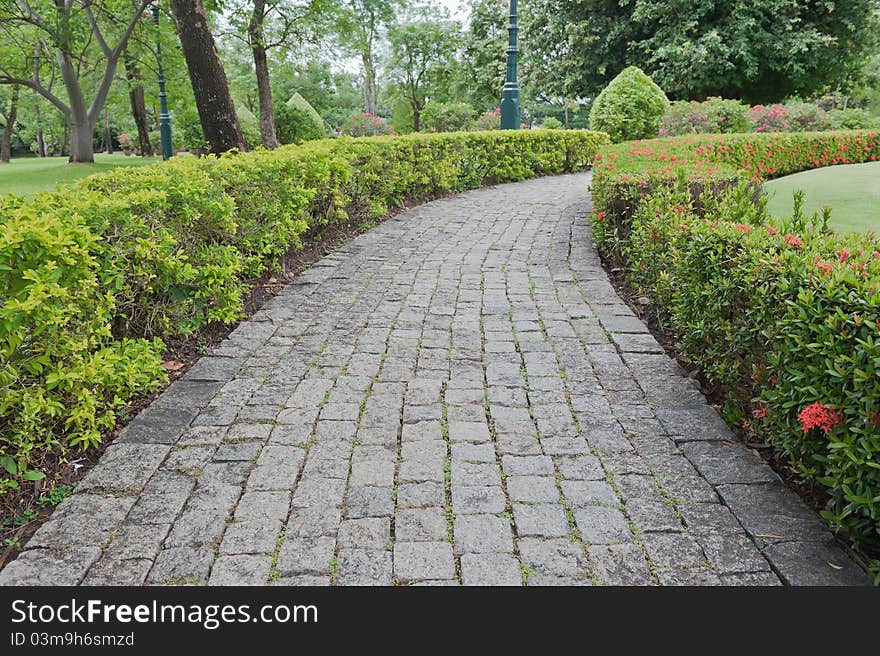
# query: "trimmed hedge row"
(782, 314)
(92, 276)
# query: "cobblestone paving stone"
(458, 396)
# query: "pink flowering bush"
(126, 141)
(770, 118)
(365, 125)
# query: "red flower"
(743, 228)
(678, 208)
(842, 254)
(600, 215)
(819, 415)
(771, 230)
(825, 268)
(759, 411)
(793, 241)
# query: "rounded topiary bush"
(630, 107)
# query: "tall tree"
(360, 25)
(73, 29)
(485, 53)
(9, 114)
(757, 50)
(138, 103)
(39, 135)
(208, 77)
(264, 25)
(421, 48)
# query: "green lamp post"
(164, 117)
(510, 104)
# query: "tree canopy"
(757, 50)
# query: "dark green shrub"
(630, 107)
(552, 123)
(297, 121)
(851, 119)
(447, 117)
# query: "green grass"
(852, 192)
(26, 175)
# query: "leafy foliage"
(712, 116)
(757, 50)
(630, 107)
(452, 117)
(851, 119)
(297, 121)
(779, 313)
(94, 275)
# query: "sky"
(456, 8)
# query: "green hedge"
(92, 276)
(780, 313)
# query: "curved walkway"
(457, 396)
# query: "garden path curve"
(457, 396)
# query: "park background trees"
(246, 73)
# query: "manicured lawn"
(26, 175)
(852, 192)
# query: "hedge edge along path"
(92, 276)
(779, 313)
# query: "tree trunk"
(138, 104)
(65, 140)
(417, 116)
(42, 151)
(81, 127)
(81, 141)
(11, 116)
(213, 101)
(108, 136)
(371, 104)
(261, 66)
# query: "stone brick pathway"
(458, 396)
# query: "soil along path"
(457, 396)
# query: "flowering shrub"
(93, 275)
(720, 116)
(126, 141)
(489, 120)
(772, 118)
(806, 117)
(781, 314)
(712, 116)
(365, 125)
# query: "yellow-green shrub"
(93, 275)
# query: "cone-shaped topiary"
(630, 107)
(297, 121)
